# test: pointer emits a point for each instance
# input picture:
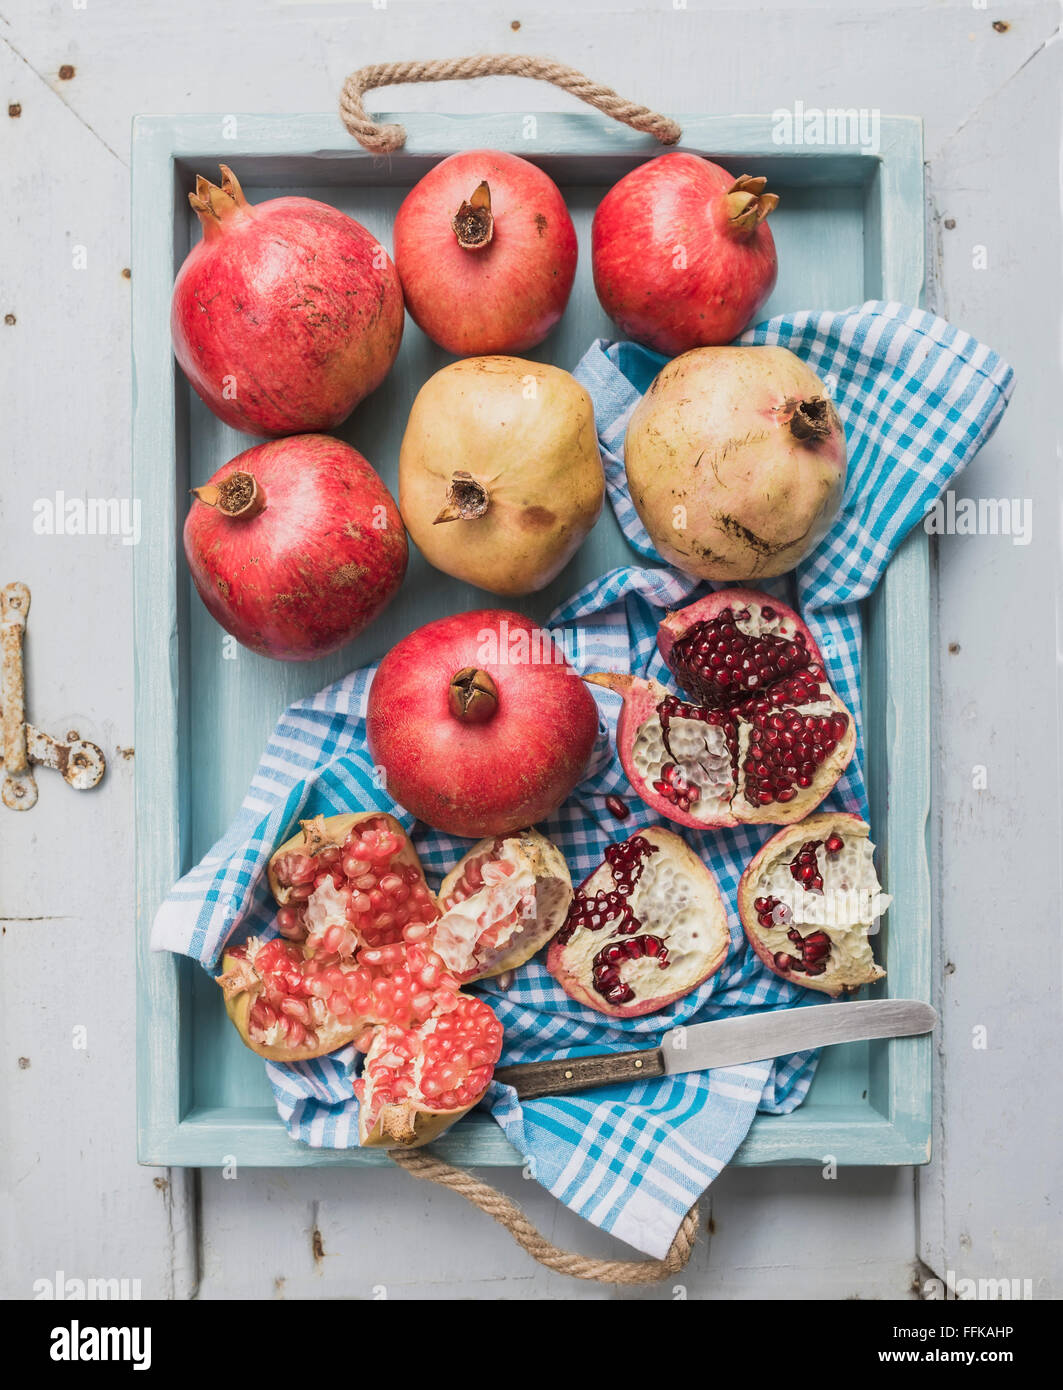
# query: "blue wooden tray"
(850, 227)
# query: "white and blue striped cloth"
(918, 399)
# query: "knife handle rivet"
(638, 1065)
(568, 1076)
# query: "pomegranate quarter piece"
(645, 928)
(763, 737)
(501, 903)
(416, 1082)
(808, 901)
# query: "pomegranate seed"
(618, 807)
(290, 923)
(333, 938)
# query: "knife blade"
(725, 1042)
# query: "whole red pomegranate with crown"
(487, 252)
(286, 314)
(682, 253)
(480, 724)
(295, 546)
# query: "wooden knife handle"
(558, 1076)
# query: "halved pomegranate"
(503, 901)
(764, 738)
(648, 926)
(808, 901)
(417, 1081)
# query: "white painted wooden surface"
(74, 1198)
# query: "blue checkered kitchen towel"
(918, 398)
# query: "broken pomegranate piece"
(357, 961)
(355, 920)
(500, 904)
(418, 1081)
(764, 738)
(809, 900)
(647, 927)
(348, 881)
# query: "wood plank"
(74, 1198)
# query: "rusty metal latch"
(21, 745)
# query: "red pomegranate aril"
(617, 807)
(291, 923)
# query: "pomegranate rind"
(553, 894)
(326, 831)
(564, 961)
(786, 844)
(403, 1126)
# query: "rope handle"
(421, 1164)
(383, 139)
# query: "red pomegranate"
(809, 900)
(480, 724)
(486, 251)
(295, 546)
(763, 739)
(681, 253)
(647, 927)
(286, 314)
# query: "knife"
(725, 1043)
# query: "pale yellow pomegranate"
(500, 478)
(736, 462)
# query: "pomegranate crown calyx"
(465, 500)
(474, 223)
(810, 420)
(748, 205)
(213, 204)
(239, 496)
(473, 696)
